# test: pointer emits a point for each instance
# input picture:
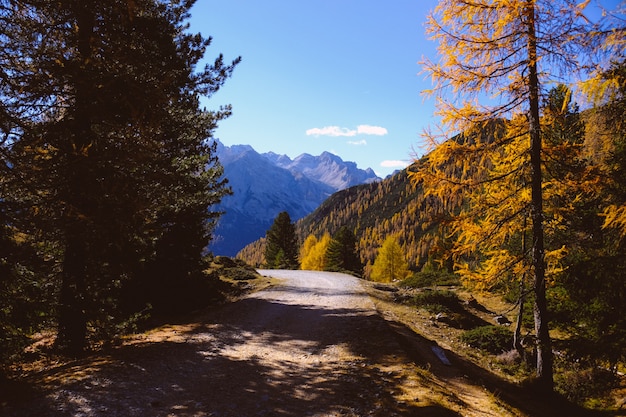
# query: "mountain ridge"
(266, 184)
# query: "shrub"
(437, 301)
(492, 339)
(239, 274)
(430, 279)
(585, 385)
(235, 269)
(227, 262)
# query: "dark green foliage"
(492, 339)
(437, 301)
(579, 384)
(589, 300)
(590, 303)
(105, 143)
(430, 278)
(26, 293)
(281, 251)
(341, 254)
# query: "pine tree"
(508, 51)
(281, 249)
(341, 253)
(390, 264)
(109, 141)
(593, 291)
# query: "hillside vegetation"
(393, 206)
(398, 206)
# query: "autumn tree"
(341, 254)
(313, 253)
(496, 58)
(390, 264)
(105, 137)
(307, 246)
(281, 250)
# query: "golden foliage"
(493, 63)
(254, 253)
(390, 264)
(482, 179)
(484, 56)
(313, 253)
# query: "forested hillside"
(394, 206)
(373, 211)
(397, 206)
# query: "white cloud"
(357, 142)
(394, 164)
(331, 131)
(371, 130)
(336, 131)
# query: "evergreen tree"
(281, 249)
(390, 264)
(108, 139)
(591, 301)
(341, 253)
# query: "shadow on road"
(199, 372)
(263, 356)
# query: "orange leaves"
(492, 63)
(478, 42)
(482, 180)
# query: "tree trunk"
(72, 325)
(72, 316)
(544, 348)
(517, 335)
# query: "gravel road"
(311, 346)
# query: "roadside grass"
(462, 322)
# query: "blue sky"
(322, 75)
(326, 75)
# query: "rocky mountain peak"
(265, 184)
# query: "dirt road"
(311, 346)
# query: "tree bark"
(72, 317)
(517, 335)
(544, 348)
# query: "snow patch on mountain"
(264, 185)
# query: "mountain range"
(266, 184)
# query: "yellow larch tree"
(312, 256)
(305, 249)
(496, 58)
(390, 263)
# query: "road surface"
(312, 345)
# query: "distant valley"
(266, 184)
